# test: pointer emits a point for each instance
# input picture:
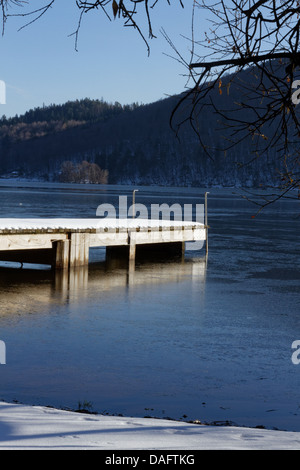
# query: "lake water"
(206, 340)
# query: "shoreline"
(48, 428)
(88, 411)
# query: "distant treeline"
(85, 110)
(131, 144)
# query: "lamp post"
(133, 203)
(205, 224)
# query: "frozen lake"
(207, 340)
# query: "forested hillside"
(129, 144)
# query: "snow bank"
(37, 427)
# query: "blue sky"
(40, 65)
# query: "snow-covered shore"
(37, 427)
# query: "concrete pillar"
(132, 247)
(79, 249)
(61, 250)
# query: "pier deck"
(65, 243)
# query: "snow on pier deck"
(65, 243)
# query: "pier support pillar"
(132, 248)
(79, 249)
(61, 250)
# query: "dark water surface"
(208, 340)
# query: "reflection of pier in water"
(106, 277)
(25, 291)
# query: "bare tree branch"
(5, 5)
(133, 12)
(252, 48)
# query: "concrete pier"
(65, 243)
